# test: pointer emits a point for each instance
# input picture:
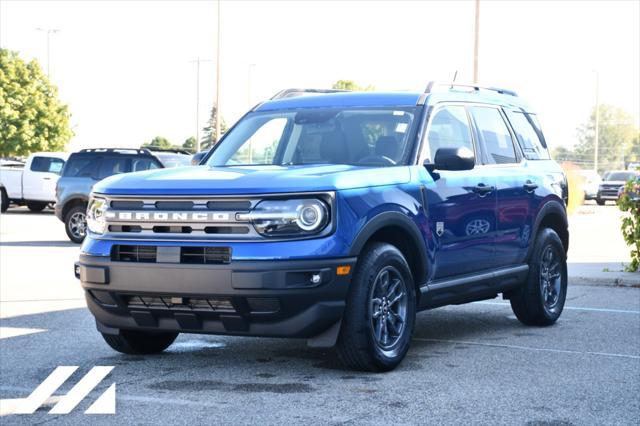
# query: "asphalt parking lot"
(470, 364)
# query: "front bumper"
(254, 298)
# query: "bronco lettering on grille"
(168, 216)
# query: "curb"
(622, 279)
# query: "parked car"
(32, 184)
(634, 195)
(198, 156)
(335, 217)
(590, 183)
(612, 182)
(82, 171)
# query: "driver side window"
(449, 128)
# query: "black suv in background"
(82, 170)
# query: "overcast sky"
(126, 70)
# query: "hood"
(205, 180)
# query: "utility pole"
(476, 42)
(198, 61)
(48, 32)
(218, 114)
(596, 142)
(249, 84)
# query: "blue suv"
(335, 217)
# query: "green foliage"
(190, 144)
(629, 202)
(352, 85)
(209, 137)
(159, 142)
(31, 116)
(617, 141)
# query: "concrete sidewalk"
(602, 274)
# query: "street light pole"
(476, 42)
(597, 135)
(48, 32)
(218, 118)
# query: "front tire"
(134, 342)
(380, 314)
(600, 202)
(75, 223)
(4, 200)
(36, 206)
(541, 298)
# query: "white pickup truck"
(34, 184)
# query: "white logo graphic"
(105, 404)
(439, 228)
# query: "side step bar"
(467, 288)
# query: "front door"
(461, 204)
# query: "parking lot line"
(573, 308)
(527, 348)
(6, 332)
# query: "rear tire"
(4, 200)
(541, 298)
(600, 202)
(36, 206)
(380, 314)
(134, 342)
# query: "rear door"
(515, 184)
(461, 204)
(40, 177)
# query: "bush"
(629, 201)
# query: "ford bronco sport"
(335, 217)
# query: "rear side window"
(494, 135)
(143, 163)
(529, 135)
(449, 128)
(114, 165)
(47, 164)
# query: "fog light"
(315, 278)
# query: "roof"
(391, 99)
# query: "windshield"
(373, 136)
(620, 176)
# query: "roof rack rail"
(118, 150)
(290, 93)
(470, 86)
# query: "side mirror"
(461, 158)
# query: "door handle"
(482, 190)
(530, 186)
(46, 178)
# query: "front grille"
(204, 218)
(205, 255)
(127, 253)
(188, 255)
(211, 304)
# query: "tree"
(31, 116)
(158, 142)
(190, 144)
(617, 139)
(352, 85)
(209, 138)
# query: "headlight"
(95, 215)
(288, 217)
